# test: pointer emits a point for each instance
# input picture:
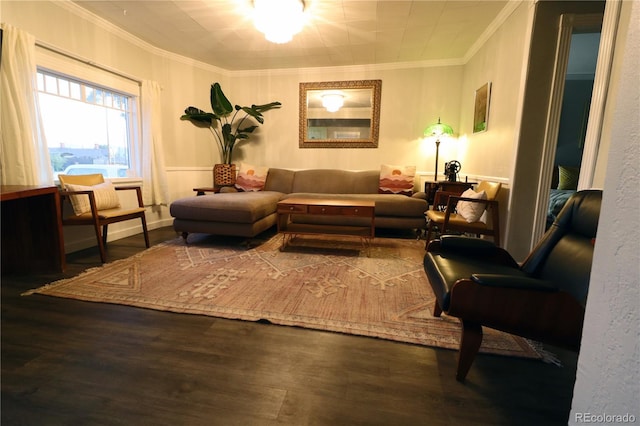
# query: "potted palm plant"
(229, 125)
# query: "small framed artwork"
(481, 111)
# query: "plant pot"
(224, 175)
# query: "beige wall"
(412, 98)
(608, 369)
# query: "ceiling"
(337, 32)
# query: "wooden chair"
(541, 299)
(96, 203)
(448, 220)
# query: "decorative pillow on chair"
(396, 179)
(105, 195)
(470, 211)
(251, 178)
(568, 177)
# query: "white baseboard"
(88, 238)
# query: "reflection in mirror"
(340, 114)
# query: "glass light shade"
(278, 20)
(332, 101)
(438, 129)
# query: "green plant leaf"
(249, 129)
(219, 102)
(266, 107)
(199, 117)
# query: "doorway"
(577, 34)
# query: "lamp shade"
(438, 129)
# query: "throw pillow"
(251, 178)
(396, 179)
(568, 177)
(104, 193)
(470, 211)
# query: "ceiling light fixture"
(332, 101)
(278, 20)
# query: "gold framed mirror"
(340, 114)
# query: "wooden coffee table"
(299, 206)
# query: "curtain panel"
(154, 177)
(24, 155)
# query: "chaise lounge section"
(247, 214)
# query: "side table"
(204, 190)
(430, 188)
(32, 237)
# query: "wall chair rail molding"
(340, 114)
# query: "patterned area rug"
(315, 283)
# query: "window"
(88, 128)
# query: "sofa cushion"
(234, 207)
(470, 211)
(568, 177)
(279, 180)
(397, 179)
(331, 181)
(251, 178)
(104, 194)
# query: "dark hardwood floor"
(67, 362)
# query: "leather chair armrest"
(455, 242)
(475, 248)
(421, 195)
(515, 282)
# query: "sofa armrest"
(515, 282)
(421, 195)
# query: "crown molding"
(505, 13)
(119, 32)
(72, 7)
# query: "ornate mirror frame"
(355, 125)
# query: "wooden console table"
(32, 237)
(431, 187)
(325, 207)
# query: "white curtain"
(154, 177)
(24, 155)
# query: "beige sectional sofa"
(247, 214)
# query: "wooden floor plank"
(73, 362)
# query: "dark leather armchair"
(542, 299)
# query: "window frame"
(85, 73)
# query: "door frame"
(569, 23)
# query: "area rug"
(317, 283)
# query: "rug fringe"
(90, 271)
(547, 356)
